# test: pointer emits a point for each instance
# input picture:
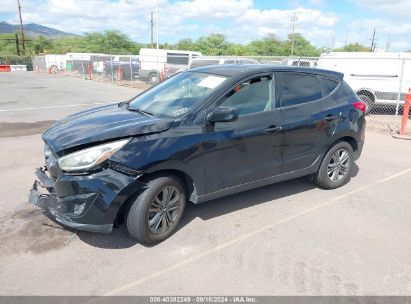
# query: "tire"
(152, 79)
(335, 158)
(150, 224)
(368, 100)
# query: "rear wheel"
(335, 169)
(156, 212)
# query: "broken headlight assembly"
(87, 159)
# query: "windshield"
(178, 95)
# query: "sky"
(325, 23)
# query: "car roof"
(232, 70)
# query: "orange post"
(405, 112)
(120, 73)
(89, 71)
(161, 76)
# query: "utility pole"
(388, 44)
(17, 45)
(294, 18)
(346, 38)
(372, 48)
(152, 30)
(158, 16)
(21, 27)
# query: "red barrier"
(5, 68)
(405, 112)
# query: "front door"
(249, 149)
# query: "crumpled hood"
(101, 124)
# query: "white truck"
(157, 62)
(376, 77)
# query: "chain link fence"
(381, 79)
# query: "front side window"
(177, 95)
(300, 88)
(252, 96)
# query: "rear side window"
(300, 88)
(329, 85)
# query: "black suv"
(201, 134)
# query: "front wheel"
(156, 212)
(153, 79)
(335, 169)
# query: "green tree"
(302, 47)
(41, 45)
(268, 46)
(214, 44)
(186, 44)
(353, 47)
(8, 45)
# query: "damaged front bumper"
(85, 202)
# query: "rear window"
(300, 88)
(200, 63)
(329, 85)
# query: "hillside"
(32, 30)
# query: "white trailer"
(377, 78)
(57, 62)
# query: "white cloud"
(394, 8)
(312, 24)
(211, 9)
(242, 22)
(239, 20)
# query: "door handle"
(330, 117)
(272, 130)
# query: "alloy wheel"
(164, 210)
(338, 165)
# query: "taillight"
(360, 105)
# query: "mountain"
(32, 30)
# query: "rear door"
(311, 116)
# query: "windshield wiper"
(144, 112)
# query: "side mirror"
(222, 114)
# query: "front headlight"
(88, 158)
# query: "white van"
(154, 62)
(375, 77)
